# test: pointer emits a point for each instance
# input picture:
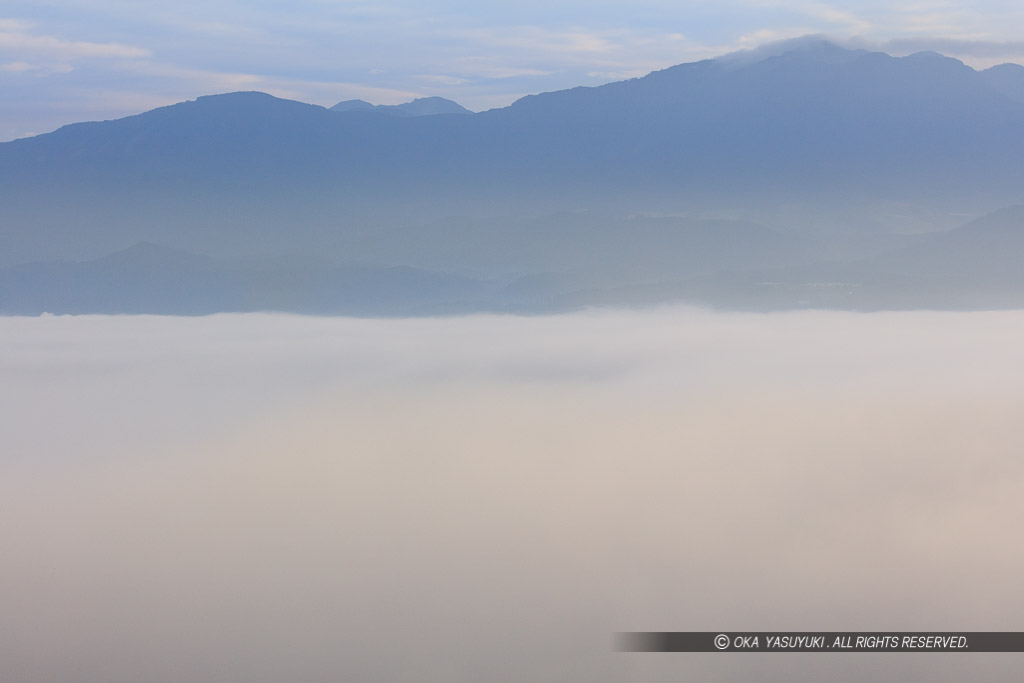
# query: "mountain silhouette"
(810, 149)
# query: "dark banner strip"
(820, 641)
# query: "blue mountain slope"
(803, 135)
(1007, 79)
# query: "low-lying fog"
(272, 498)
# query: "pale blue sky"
(72, 60)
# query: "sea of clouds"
(270, 497)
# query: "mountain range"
(800, 163)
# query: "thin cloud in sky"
(20, 38)
(18, 66)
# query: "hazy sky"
(268, 498)
(70, 60)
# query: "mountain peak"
(1007, 79)
(239, 96)
(934, 58)
(244, 101)
(421, 106)
(353, 105)
(427, 106)
(815, 45)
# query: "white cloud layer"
(261, 498)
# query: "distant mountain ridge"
(975, 266)
(423, 106)
(792, 154)
(148, 278)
